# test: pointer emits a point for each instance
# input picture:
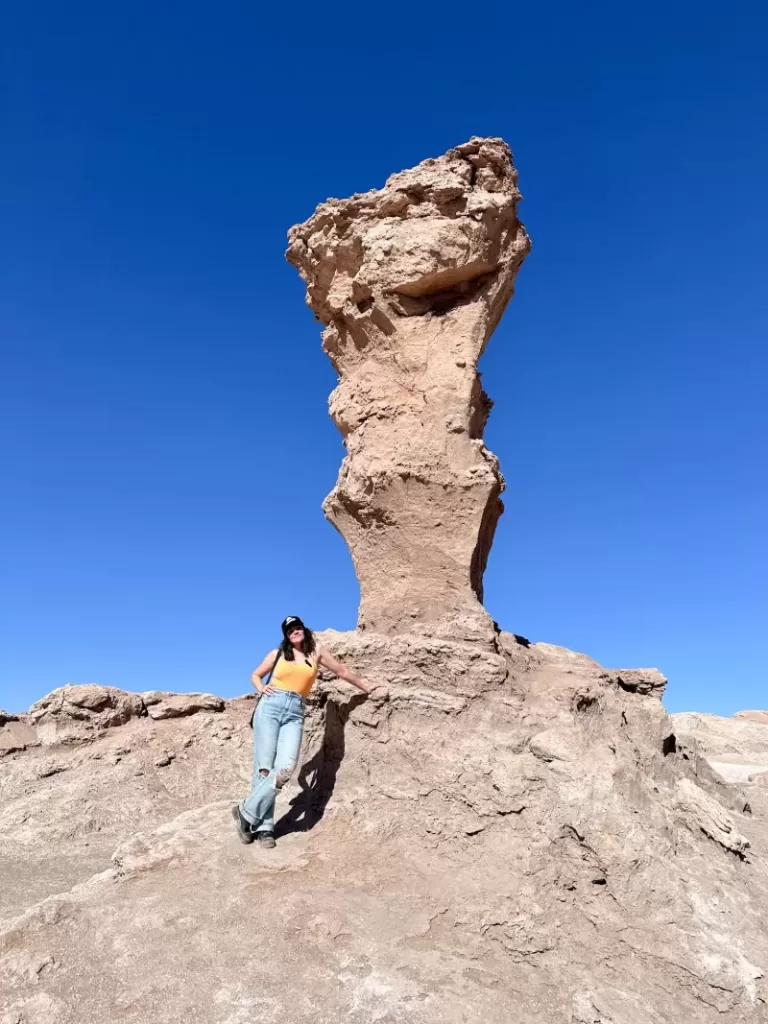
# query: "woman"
(278, 723)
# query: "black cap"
(291, 623)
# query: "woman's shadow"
(317, 776)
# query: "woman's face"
(296, 636)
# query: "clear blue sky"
(159, 367)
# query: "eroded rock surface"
(79, 714)
(509, 835)
(737, 748)
(15, 734)
(761, 717)
(74, 713)
(410, 281)
(160, 705)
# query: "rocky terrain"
(524, 838)
(737, 748)
(508, 833)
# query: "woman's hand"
(376, 692)
(327, 660)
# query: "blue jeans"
(278, 723)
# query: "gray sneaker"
(266, 840)
(242, 826)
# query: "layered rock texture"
(510, 836)
(508, 833)
(410, 282)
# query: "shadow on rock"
(317, 776)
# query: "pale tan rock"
(160, 705)
(647, 681)
(64, 809)
(78, 713)
(498, 838)
(737, 748)
(705, 813)
(15, 734)
(410, 282)
(75, 714)
(761, 717)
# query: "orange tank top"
(296, 676)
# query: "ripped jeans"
(278, 722)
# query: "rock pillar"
(410, 282)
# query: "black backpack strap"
(274, 666)
(266, 683)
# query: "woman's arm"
(327, 660)
(263, 670)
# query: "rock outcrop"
(410, 282)
(75, 714)
(160, 705)
(761, 717)
(529, 842)
(15, 734)
(736, 748)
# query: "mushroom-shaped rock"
(410, 281)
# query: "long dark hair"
(308, 645)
